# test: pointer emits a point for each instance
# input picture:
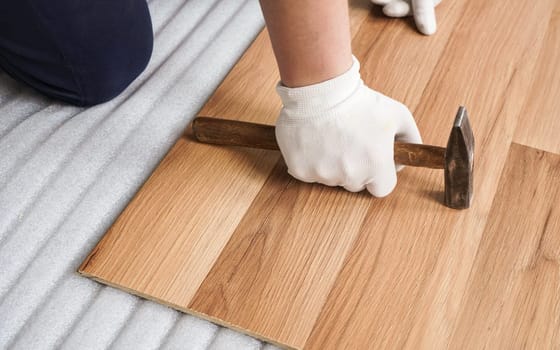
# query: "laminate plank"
(513, 295)
(274, 275)
(540, 125)
(491, 71)
(165, 243)
(404, 278)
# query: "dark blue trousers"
(80, 51)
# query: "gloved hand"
(341, 133)
(423, 11)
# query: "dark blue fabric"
(81, 51)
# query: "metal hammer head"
(459, 159)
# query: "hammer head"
(459, 159)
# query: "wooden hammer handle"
(237, 133)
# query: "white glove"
(341, 133)
(423, 11)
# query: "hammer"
(456, 159)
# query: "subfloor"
(226, 234)
(66, 173)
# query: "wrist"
(316, 98)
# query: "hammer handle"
(237, 133)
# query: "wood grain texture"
(176, 213)
(418, 265)
(274, 275)
(513, 295)
(540, 125)
(226, 234)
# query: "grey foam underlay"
(66, 173)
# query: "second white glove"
(341, 133)
(422, 10)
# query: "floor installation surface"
(225, 233)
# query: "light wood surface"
(226, 234)
(539, 127)
(512, 300)
(418, 265)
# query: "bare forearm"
(310, 38)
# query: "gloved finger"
(401, 8)
(385, 179)
(381, 2)
(397, 8)
(425, 16)
(357, 187)
(301, 176)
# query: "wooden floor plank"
(513, 295)
(274, 275)
(415, 260)
(491, 71)
(540, 125)
(191, 228)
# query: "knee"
(105, 75)
(86, 57)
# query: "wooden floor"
(226, 234)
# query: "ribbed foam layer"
(66, 173)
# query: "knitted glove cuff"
(321, 97)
